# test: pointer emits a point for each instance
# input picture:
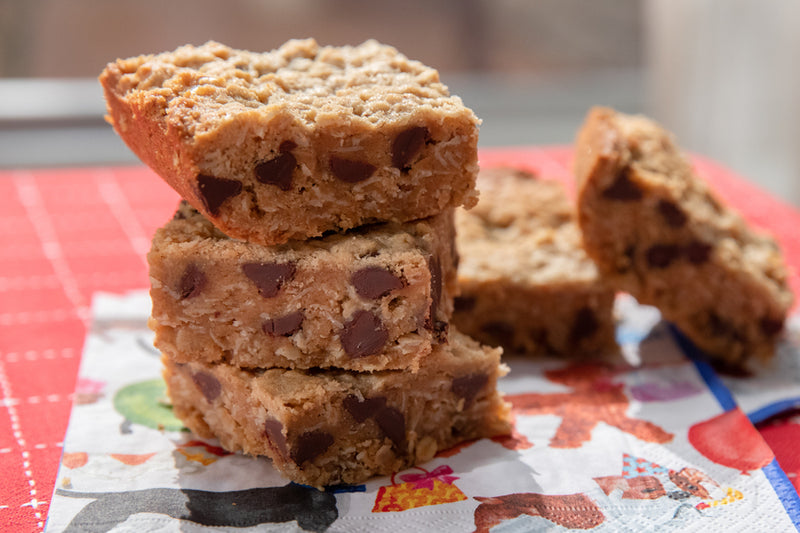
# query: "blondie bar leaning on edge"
(525, 281)
(295, 142)
(377, 297)
(657, 231)
(324, 428)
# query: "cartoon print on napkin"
(666, 495)
(594, 399)
(419, 490)
(74, 460)
(132, 459)
(782, 436)
(313, 510)
(645, 480)
(574, 511)
(145, 403)
(200, 452)
(88, 391)
(653, 391)
(748, 451)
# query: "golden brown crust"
(298, 141)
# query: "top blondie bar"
(298, 141)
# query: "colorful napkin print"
(649, 441)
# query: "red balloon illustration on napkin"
(731, 440)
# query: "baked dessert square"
(325, 428)
(657, 231)
(378, 297)
(299, 141)
(526, 283)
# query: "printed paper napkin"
(651, 442)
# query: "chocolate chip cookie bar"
(323, 428)
(657, 231)
(526, 283)
(374, 298)
(299, 141)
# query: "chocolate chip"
(283, 326)
(350, 171)
(435, 268)
(771, 326)
(541, 341)
(192, 282)
(672, 214)
(734, 370)
(697, 252)
(502, 332)
(407, 144)
(440, 331)
(273, 429)
(208, 385)
(364, 334)
(661, 255)
(375, 282)
(179, 214)
(277, 171)
(186, 209)
(464, 304)
(360, 410)
(467, 387)
(629, 252)
(287, 146)
(623, 188)
(718, 326)
(310, 444)
(214, 191)
(269, 277)
(393, 424)
(584, 325)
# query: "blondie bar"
(656, 230)
(525, 281)
(299, 141)
(374, 298)
(323, 428)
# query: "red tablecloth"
(67, 233)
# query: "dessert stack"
(303, 291)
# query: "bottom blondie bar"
(322, 428)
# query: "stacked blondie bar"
(303, 291)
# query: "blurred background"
(723, 75)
